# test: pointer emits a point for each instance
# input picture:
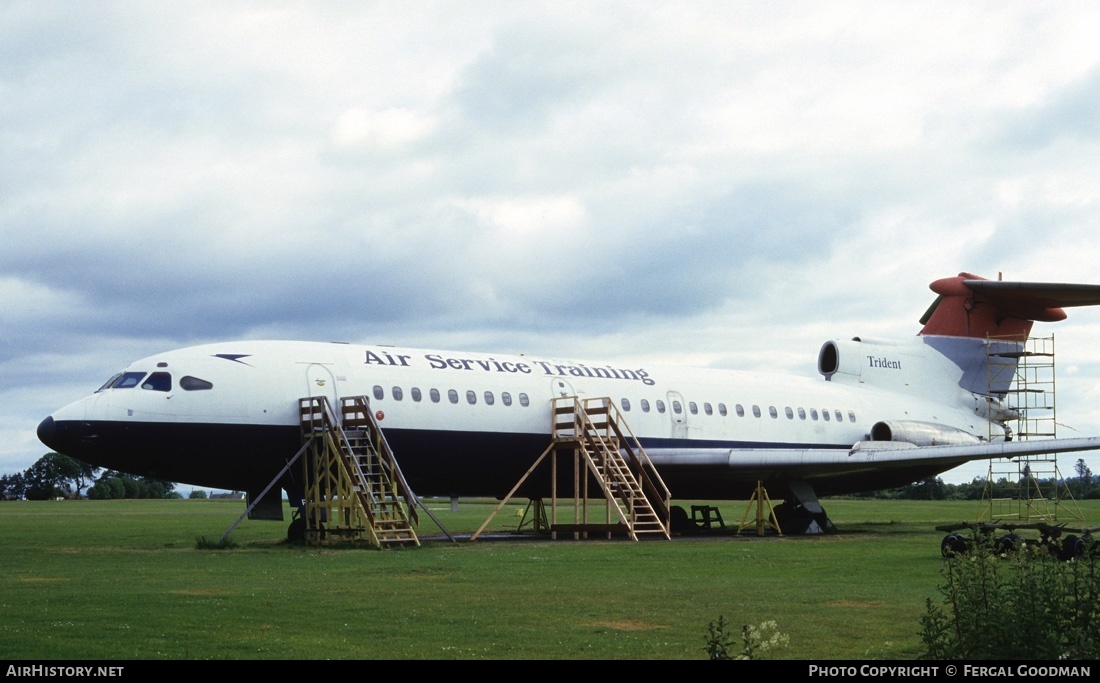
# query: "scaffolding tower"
(1027, 488)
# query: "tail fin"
(974, 320)
(971, 306)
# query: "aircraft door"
(321, 382)
(562, 388)
(677, 411)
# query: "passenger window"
(773, 412)
(398, 394)
(434, 395)
(693, 408)
(756, 411)
(523, 400)
(813, 414)
(851, 417)
(839, 417)
(379, 392)
(471, 397)
(626, 404)
(660, 406)
(416, 395)
(506, 398)
(189, 383)
(677, 408)
(801, 413)
(158, 381)
(128, 380)
(789, 412)
(722, 409)
(645, 405)
(708, 409)
(740, 410)
(452, 396)
(489, 400)
(825, 415)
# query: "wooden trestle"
(355, 491)
(609, 462)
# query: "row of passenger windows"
(154, 381)
(739, 410)
(452, 395)
(162, 381)
(397, 393)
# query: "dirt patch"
(38, 579)
(854, 603)
(630, 625)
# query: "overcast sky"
(724, 183)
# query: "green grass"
(118, 580)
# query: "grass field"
(125, 580)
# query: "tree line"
(58, 476)
(1081, 487)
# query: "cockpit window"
(110, 382)
(158, 381)
(189, 383)
(127, 380)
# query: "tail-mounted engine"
(921, 433)
(840, 357)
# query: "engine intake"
(841, 357)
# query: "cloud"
(714, 181)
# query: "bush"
(1023, 604)
(756, 641)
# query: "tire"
(296, 532)
(678, 520)
(1072, 547)
(1010, 543)
(953, 545)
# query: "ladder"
(355, 491)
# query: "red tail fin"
(971, 306)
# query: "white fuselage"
(463, 423)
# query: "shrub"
(1022, 604)
(756, 641)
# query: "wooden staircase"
(608, 463)
(595, 430)
(355, 491)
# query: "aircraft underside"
(461, 464)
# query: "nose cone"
(47, 432)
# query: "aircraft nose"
(47, 432)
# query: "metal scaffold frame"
(1028, 488)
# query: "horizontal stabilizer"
(1036, 297)
(970, 306)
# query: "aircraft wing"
(863, 457)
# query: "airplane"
(880, 414)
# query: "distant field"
(123, 580)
